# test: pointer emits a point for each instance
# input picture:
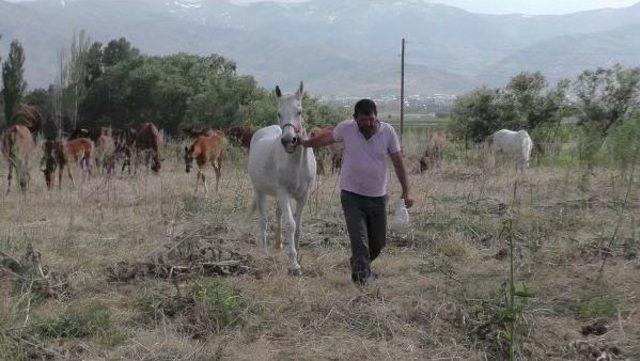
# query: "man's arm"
(401, 172)
(320, 140)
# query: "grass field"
(443, 292)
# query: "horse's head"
(25, 177)
(290, 118)
(188, 159)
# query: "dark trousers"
(366, 219)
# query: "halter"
(296, 129)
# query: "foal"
(206, 149)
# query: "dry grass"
(437, 297)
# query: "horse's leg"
(93, 166)
(278, 244)
(290, 230)
(204, 181)
(73, 182)
(217, 167)
(298, 218)
(60, 172)
(10, 175)
(136, 162)
(261, 200)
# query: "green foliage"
(623, 142)
(526, 102)
(117, 51)
(10, 348)
(156, 307)
(321, 115)
(183, 91)
(476, 115)
(217, 305)
(93, 64)
(40, 99)
(606, 97)
(13, 80)
(598, 306)
(92, 320)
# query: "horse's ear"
(278, 92)
(300, 91)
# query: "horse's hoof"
(295, 272)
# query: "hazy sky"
(520, 6)
(510, 6)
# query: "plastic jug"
(400, 217)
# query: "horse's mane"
(30, 117)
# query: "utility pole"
(402, 94)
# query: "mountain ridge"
(337, 47)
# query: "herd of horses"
(278, 165)
(99, 150)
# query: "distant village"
(435, 105)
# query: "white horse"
(515, 144)
(280, 167)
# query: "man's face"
(367, 123)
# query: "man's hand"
(305, 142)
(401, 172)
(408, 201)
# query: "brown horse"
(18, 144)
(434, 153)
(17, 147)
(124, 140)
(241, 135)
(206, 149)
(105, 151)
(59, 154)
(148, 146)
(196, 133)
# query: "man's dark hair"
(365, 107)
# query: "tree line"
(116, 85)
(598, 100)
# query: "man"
(367, 143)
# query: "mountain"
(337, 47)
(567, 56)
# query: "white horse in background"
(513, 144)
(280, 167)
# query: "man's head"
(366, 116)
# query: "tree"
(40, 99)
(13, 79)
(537, 109)
(79, 51)
(526, 102)
(117, 51)
(93, 64)
(318, 114)
(181, 90)
(606, 97)
(476, 115)
(57, 90)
